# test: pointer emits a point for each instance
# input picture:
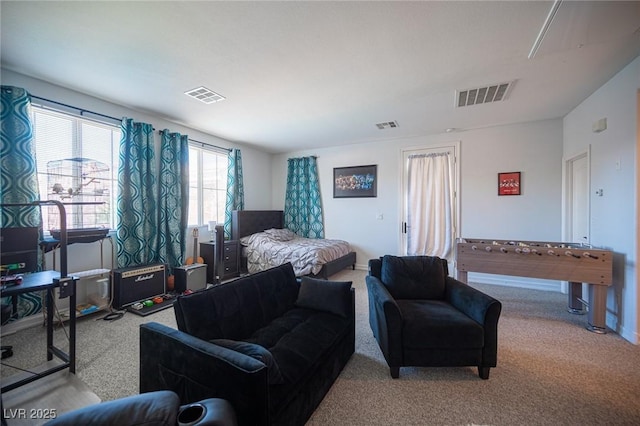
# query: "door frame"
(567, 192)
(455, 145)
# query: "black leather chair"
(421, 317)
(160, 408)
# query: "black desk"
(48, 281)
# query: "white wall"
(614, 217)
(256, 164)
(534, 148)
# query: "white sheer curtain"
(430, 205)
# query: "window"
(77, 161)
(207, 185)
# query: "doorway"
(430, 207)
(577, 213)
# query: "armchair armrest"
(474, 303)
(385, 319)
(157, 408)
(196, 369)
(482, 308)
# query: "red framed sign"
(509, 183)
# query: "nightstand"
(230, 260)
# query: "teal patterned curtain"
(137, 229)
(173, 202)
(302, 204)
(18, 174)
(235, 189)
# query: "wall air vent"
(387, 125)
(204, 95)
(483, 95)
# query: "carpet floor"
(551, 370)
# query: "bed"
(264, 244)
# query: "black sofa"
(270, 345)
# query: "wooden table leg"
(597, 308)
(576, 304)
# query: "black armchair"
(421, 317)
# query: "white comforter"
(275, 247)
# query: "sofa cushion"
(303, 342)
(413, 277)
(234, 310)
(254, 351)
(299, 340)
(323, 295)
(435, 324)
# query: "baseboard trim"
(360, 267)
(22, 324)
(510, 281)
(626, 333)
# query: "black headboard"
(247, 222)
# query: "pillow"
(254, 239)
(280, 234)
(254, 351)
(322, 295)
(413, 277)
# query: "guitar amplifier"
(131, 285)
(190, 277)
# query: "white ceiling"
(300, 75)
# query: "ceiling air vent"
(204, 95)
(483, 95)
(387, 125)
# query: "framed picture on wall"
(509, 183)
(355, 181)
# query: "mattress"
(275, 247)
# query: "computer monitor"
(19, 250)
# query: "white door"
(429, 201)
(578, 199)
(577, 219)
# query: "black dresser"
(229, 258)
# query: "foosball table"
(575, 263)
